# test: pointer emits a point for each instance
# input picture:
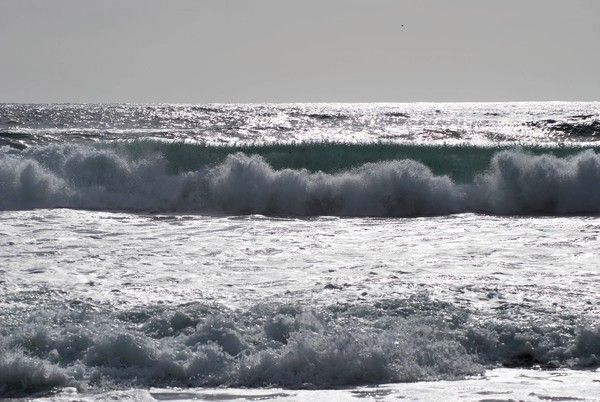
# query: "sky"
(203, 51)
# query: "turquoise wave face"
(461, 163)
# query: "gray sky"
(196, 51)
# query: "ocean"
(300, 251)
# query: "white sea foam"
(245, 349)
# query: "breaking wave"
(138, 177)
(277, 345)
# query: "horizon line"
(294, 102)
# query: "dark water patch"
(591, 129)
(326, 116)
(397, 115)
(587, 129)
(14, 135)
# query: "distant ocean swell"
(286, 345)
(307, 180)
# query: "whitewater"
(300, 251)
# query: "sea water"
(300, 251)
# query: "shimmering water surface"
(481, 123)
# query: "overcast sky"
(197, 51)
